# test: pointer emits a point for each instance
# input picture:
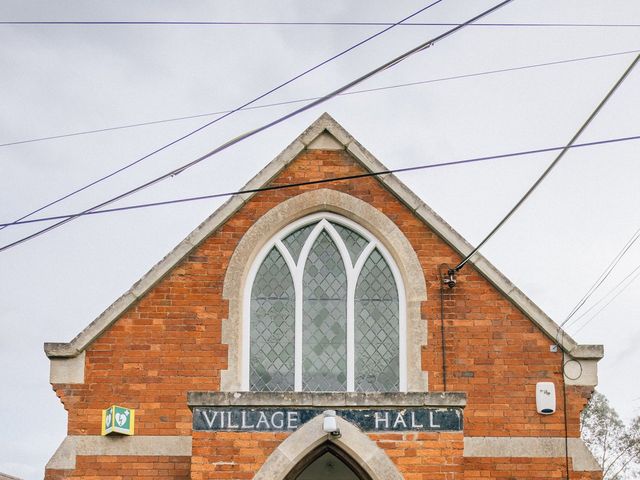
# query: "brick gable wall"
(169, 343)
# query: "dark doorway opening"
(328, 462)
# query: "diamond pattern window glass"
(272, 326)
(304, 331)
(324, 324)
(295, 241)
(376, 327)
(355, 243)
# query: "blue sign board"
(271, 419)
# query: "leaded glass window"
(376, 327)
(272, 326)
(355, 243)
(324, 319)
(295, 241)
(325, 311)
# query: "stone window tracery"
(326, 311)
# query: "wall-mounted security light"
(545, 398)
(329, 423)
(449, 279)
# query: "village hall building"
(315, 332)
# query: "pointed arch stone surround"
(353, 441)
(374, 221)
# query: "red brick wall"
(227, 455)
(507, 356)
(169, 342)
(221, 455)
(433, 456)
(125, 468)
(522, 469)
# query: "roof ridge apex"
(325, 122)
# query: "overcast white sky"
(64, 79)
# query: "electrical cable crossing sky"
(377, 194)
(550, 167)
(314, 24)
(600, 280)
(300, 100)
(324, 180)
(634, 274)
(419, 48)
(228, 113)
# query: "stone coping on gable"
(4, 476)
(327, 399)
(391, 182)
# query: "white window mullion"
(351, 288)
(296, 275)
(297, 272)
(402, 330)
(297, 363)
(354, 273)
(363, 258)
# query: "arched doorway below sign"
(327, 462)
(354, 448)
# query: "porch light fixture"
(329, 423)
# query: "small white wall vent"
(545, 398)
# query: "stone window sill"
(326, 399)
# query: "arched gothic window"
(325, 306)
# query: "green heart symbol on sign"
(121, 419)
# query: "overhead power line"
(604, 297)
(551, 166)
(320, 181)
(419, 48)
(300, 100)
(229, 113)
(600, 280)
(603, 276)
(314, 24)
(634, 274)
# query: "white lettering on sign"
(262, 420)
(277, 423)
(379, 420)
(210, 421)
(292, 420)
(415, 424)
(230, 424)
(272, 419)
(431, 424)
(244, 421)
(399, 421)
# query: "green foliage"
(615, 446)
